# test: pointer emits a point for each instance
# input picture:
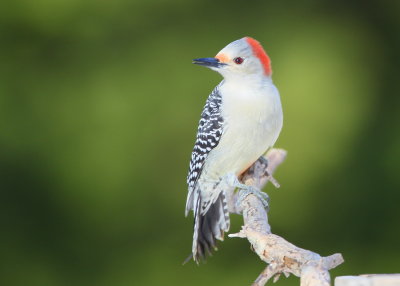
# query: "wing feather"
(209, 133)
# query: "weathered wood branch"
(369, 280)
(281, 255)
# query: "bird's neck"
(251, 81)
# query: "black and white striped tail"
(209, 226)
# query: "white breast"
(252, 123)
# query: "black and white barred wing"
(208, 135)
(211, 216)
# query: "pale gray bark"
(369, 280)
(281, 255)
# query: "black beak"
(208, 62)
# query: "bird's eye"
(238, 60)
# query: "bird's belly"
(244, 140)
(252, 122)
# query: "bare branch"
(282, 256)
(369, 280)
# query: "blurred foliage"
(99, 105)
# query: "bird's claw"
(247, 190)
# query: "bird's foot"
(261, 166)
(245, 190)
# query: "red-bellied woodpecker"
(241, 119)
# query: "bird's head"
(241, 58)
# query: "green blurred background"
(99, 105)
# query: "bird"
(241, 120)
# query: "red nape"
(261, 54)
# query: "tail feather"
(209, 227)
